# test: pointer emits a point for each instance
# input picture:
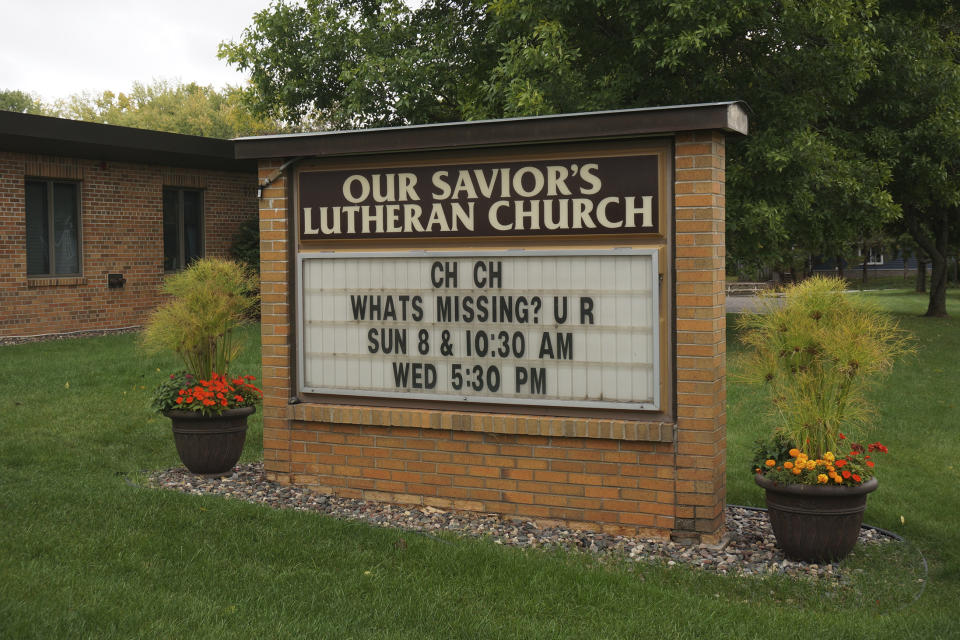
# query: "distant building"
(881, 262)
(92, 216)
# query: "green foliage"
(246, 245)
(909, 114)
(190, 109)
(355, 63)
(814, 177)
(777, 447)
(817, 354)
(21, 102)
(208, 301)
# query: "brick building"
(92, 216)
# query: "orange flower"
(771, 463)
(788, 465)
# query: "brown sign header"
(580, 196)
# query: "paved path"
(742, 304)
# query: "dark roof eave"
(27, 133)
(728, 117)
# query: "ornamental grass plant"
(209, 301)
(817, 352)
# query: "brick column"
(701, 335)
(276, 338)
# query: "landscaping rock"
(748, 547)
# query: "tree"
(909, 112)
(360, 63)
(178, 108)
(812, 178)
(20, 102)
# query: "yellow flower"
(829, 457)
(794, 453)
(811, 464)
(830, 468)
(802, 458)
(822, 478)
(771, 463)
(788, 465)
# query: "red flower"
(846, 474)
(839, 463)
(856, 478)
(843, 437)
(869, 463)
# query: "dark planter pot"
(210, 444)
(815, 523)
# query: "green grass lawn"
(86, 552)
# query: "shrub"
(208, 301)
(246, 245)
(817, 354)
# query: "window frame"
(874, 255)
(181, 231)
(49, 184)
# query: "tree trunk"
(937, 308)
(933, 238)
(921, 276)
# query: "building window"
(53, 227)
(874, 255)
(182, 227)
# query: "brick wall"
(654, 478)
(121, 232)
(701, 332)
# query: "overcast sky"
(54, 48)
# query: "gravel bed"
(747, 548)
